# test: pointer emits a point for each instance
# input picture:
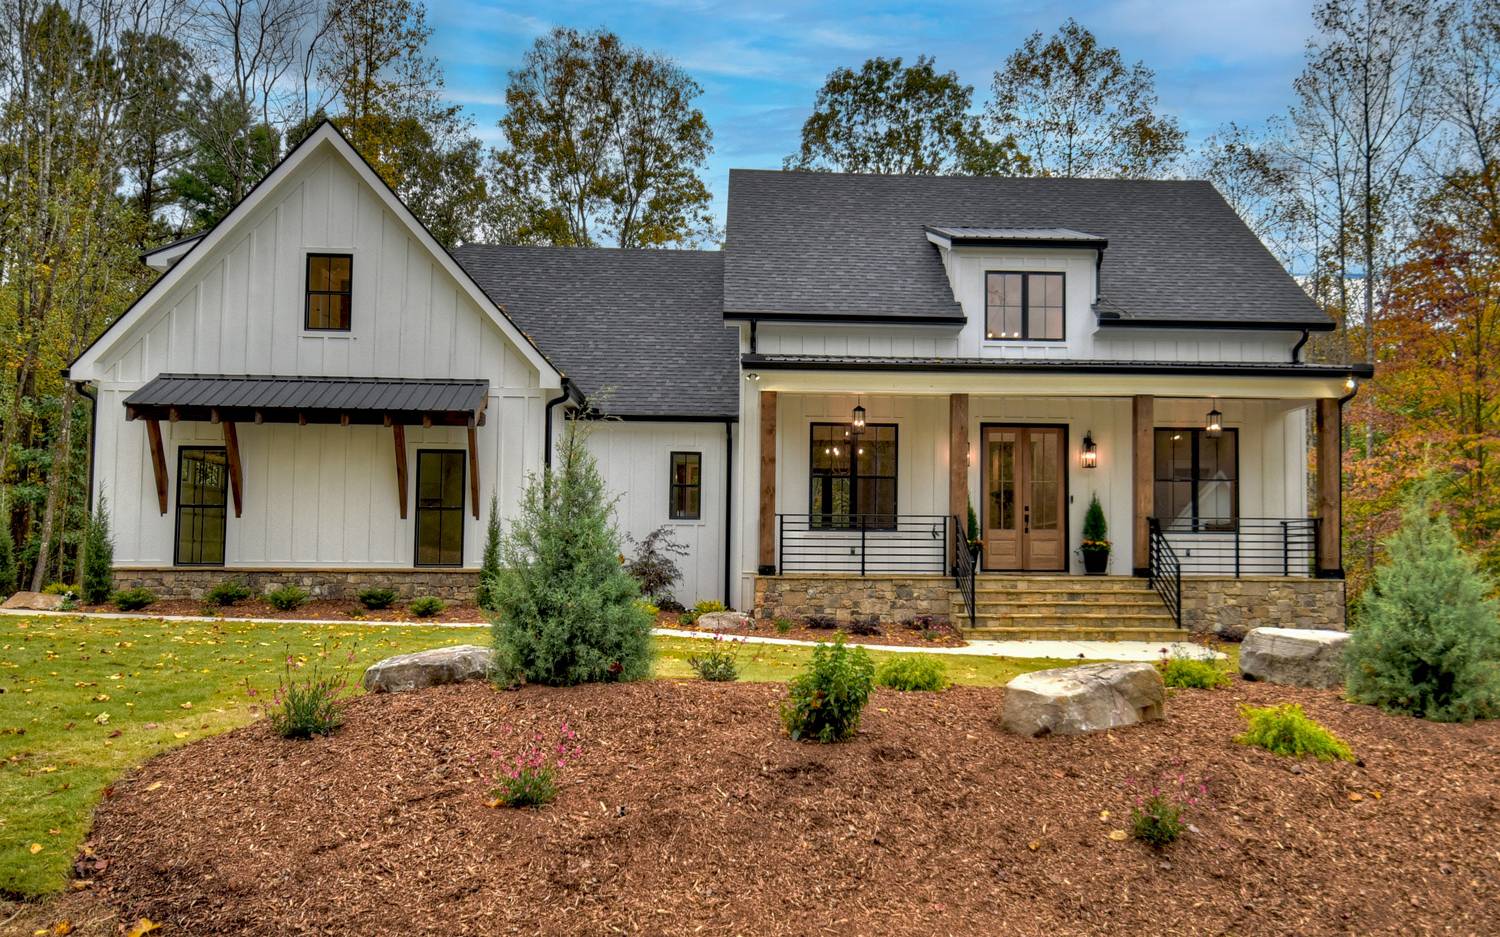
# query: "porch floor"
(1058, 607)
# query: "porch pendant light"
(1214, 428)
(1089, 458)
(858, 423)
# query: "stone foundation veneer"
(891, 599)
(450, 585)
(1231, 607)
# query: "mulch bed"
(889, 634)
(688, 813)
(312, 610)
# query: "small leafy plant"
(131, 600)
(720, 663)
(821, 622)
(826, 699)
(1156, 816)
(704, 607)
(783, 625)
(377, 597)
(227, 592)
(287, 598)
(913, 672)
(864, 625)
(1192, 673)
(530, 779)
(306, 702)
(1288, 730)
(648, 608)
(654, 567)
(426, 606)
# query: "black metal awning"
(275, 399)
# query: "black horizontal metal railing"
(1246, 546)
(862, 543)
(1164, 572)
(963, 568)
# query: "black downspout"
(753, 323)
(728, 506)
(83, 391)
(567, 391)
(1297, 348)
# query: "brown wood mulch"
(889, 634)
(689, 813)
(312, 610)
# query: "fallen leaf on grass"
(35, 848)
(142, 927)
(1034, 845)
(492, 803)
(102, 719)
(1119, 836)
(187, 705)
(62, 928)
(1355, 797)
(180, 735)
(153, 785)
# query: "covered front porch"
(1200, 473)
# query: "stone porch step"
(1143, 606)
(1059, 597)
(1163, 635)
(998, 582)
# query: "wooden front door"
(1025, 503)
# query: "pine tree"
(1428, 639)
(565, 608)
(1095, 527)
(7, 551)
(489, 567)
(98, 556)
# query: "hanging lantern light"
(1089, 457)
(1214, 428)
(858, 422)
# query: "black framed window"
(330, 280)
(440, 507)
(202, 485)
(685, 497)
(1023, 306)
(853, 475)
(1197, 479)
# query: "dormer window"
(330, 280)
(1023, 306)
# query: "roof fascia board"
(1217, 324)
(1082, 366)
(827, 319)
(164, 257)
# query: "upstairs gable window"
(330, 279)
(1023, 306)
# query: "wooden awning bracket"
(158, 462)
(398, 434)
(236, 476)
(474, 471)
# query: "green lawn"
(83, 700)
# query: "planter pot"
(1095, 562)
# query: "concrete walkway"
(1064, 650)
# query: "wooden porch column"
(767, 564)
(158, 462)
(1143, 450)
(1330, 424)
(958, 465)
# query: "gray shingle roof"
(833, 245)
(643, 329)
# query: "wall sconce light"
(858, 423)
(1214, 428)
(752, 376)
(1089, 457)
(1350, 383)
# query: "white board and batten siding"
(635, 459)
(319, 496)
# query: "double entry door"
(1025, 498)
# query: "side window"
(330, 279)
(685, 497)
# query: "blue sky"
(761, 64)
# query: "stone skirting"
(888, 599)
(450, 585)
(1231, 607)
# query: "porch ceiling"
(1049, 377)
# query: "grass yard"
(83, 700)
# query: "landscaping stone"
(429, 668)
(1294, 656)
(1090, 698)
(721, 621)
(36, 601)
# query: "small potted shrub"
(976, 542)
(1095, 546)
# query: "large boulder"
(1294, 656)
(1088, 698)
(36, 601)
(429, 668)
(721, 621)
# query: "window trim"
(416, 521)
(818, 520)
(1197, 524)
(673, 485)
(177, 511)
(1025, 276)
(308, 291)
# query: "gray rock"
(1088, 698)
(36, 601)
(1294, 656)
(429, 668)
(721, 621)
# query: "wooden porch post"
(1330, 489)
(767, 564)
(958, 465)
(1143, 448)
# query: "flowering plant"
(1156, 817)
(306, 700)
(530, 777)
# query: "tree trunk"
(55, 488)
